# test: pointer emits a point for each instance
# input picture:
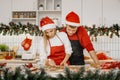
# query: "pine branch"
(61, 77)
(112, 75)
(68, 74)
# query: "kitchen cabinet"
(101, 12)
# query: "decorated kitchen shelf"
(49, 5)
(21, 16)
(51, 8)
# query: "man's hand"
(95, 65)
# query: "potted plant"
(3, 49)
(6, 53)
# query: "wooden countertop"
(18, 61)
(101, 61)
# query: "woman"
(56, 49)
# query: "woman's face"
(50, 33)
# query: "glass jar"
(34, 15)
(21, 15)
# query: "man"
(79, 40)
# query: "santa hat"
(72, 19)
(47, 23)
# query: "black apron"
(77, 57)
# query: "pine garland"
(101, 31)
(19, 28)
(23, 73)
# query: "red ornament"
(26, 44)
(30, 65)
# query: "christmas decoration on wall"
(103, 31)
(93, 31)
(26, 43)
(19, 28)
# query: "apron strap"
(58, 38)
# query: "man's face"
(71, 30)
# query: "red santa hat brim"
(72, 23)
(48, 26)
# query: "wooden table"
(15, 62)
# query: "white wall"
(92, 12)
(110, 45)
(71, 5)
(104, 43)
(15, 40)
(22, 5)
(111, 12)
(5, 11)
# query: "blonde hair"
(46, 38)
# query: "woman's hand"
(63, 63)
(50, 62)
